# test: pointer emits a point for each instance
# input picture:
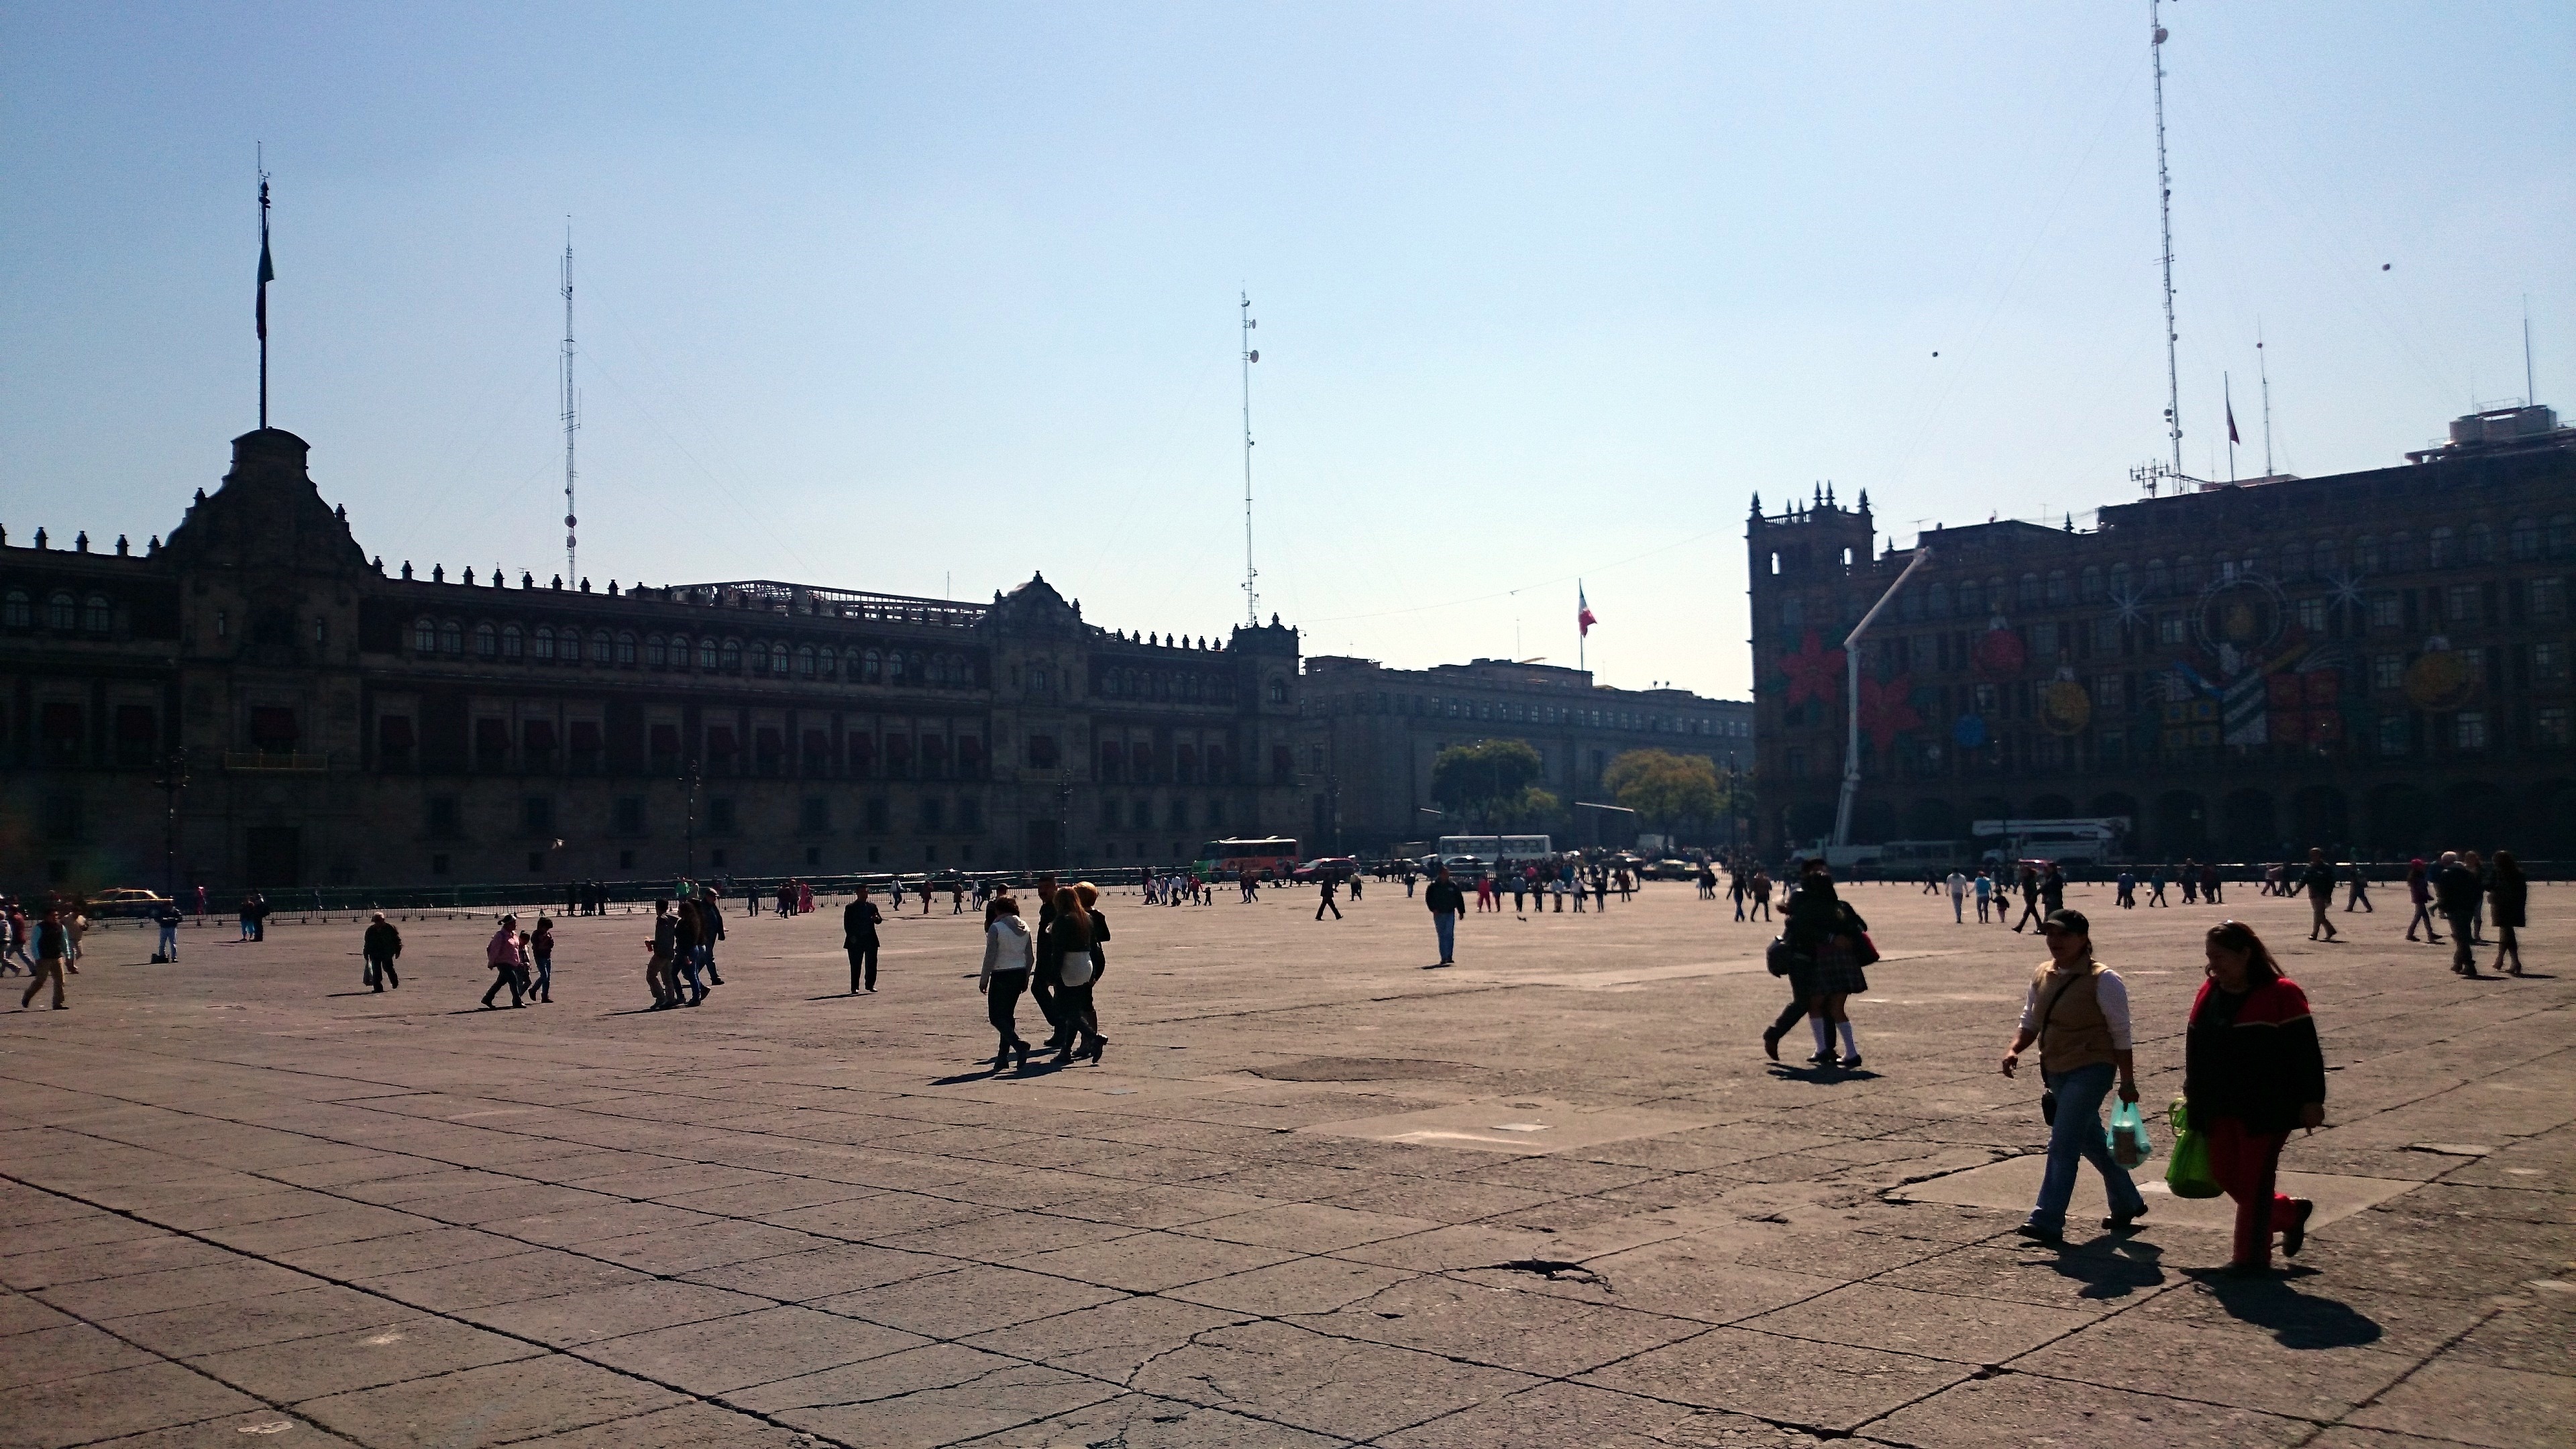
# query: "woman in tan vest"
(2078, 1012)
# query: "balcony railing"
(276, 761)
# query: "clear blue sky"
(878, 296)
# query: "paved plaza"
(1315, 1195)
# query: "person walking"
(2052, 888)
(2359, 895)
(1959, 900)
(2190, 875)
(382, 945)
(168, 917)
(2469, 858)
(2156, 888)
(688, 929)
(53, 950)
(2125, 894)
(1446, 901)
(1810, 913)
(2077, 1010)
(2419, 889)
(2317, 878)
(1046, 980)
(859, 922)
(661, 967)
(1071, 930)
(2507, 896)
(711, 929)
(2457, 889)
(2252, 1070)
(541, 949)
(1984, 886)
(1759, 894)
(2029, 899)
(1839, 975)
(2209, 884)
(501, 953)
(1009, 954)
(1324, 894)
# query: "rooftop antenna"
(2263, 370)
(2530, 389)
(268, 273)
(2164, 211)
(1251, 598)
(571, 414)
(2227, 390)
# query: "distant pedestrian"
(168, 917)
(502, 954)
(2077, 1010)
(2126, 894)
(2419, 889)
(2317, 878)
(2508, 894)
(2156, 888)
(1959, 900)
(2029, 899)
(383, 946)
(541, 950)
(859, 922)
(1985, 889)
(2252, 1070)
(2456, 888)
(2359, 880)
(662, 966)
(53, 951)
(1446, 902)
(1759, 894)
(1324, 901)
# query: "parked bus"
(1491, 848)
(2095, 840)
(1268, 858)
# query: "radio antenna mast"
(2263, 370)
(571, 416)
(2164, 210)
(1251, 599)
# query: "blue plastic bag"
(2130, 1144)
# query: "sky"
(925, 299)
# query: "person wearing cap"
(382, 944)
(2078, 1012)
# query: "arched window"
(778, 660)
(451, 638)
(1972, 598)
(1939, 602)
(657, 652)
(2400, 554)
(2159, 580)
(828, 660)
(625, 651)
(19, 612)
(545, 644)
(804, 661)
(679, 651)
(916, 666)
(2562, 534)
(850, 665)
(2523, 540)
(96, 616)
(871, 667)
(2440, 551)
(730, 661)
(487, 641)
(424, 636)
(60, 612)
(2028, 597)
(2253, 563)
(2058, 592)
(514, 643)
(2323, 560)
(1278, 690)
(2120, 581)
(894, 666)
(600, 647)
(2091, 583)
(568, 646)
(2365, 553)
(707, 654)
(2187, 573)
(2481, 545)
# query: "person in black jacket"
(2508, 895)
(2456, 889)
(53, 948)
(2319, 879)
(383, 944)
(859, 922)
(1446, 902)
(1808, 917)
(2252, 1070)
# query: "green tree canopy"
(1664, 788)
(1484, 780)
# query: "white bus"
(1491, 848)
(2097, 840)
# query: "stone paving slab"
(1314, 1195)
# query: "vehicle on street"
(124, 901)
(1269, 857)
(1671, 869)
(1324, 867)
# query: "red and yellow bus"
(1267, 858)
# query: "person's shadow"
(2113, 1266)
(2295, 1319)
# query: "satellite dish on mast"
(2160, 35)
(1256, 354)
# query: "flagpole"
(1581, 634)
(263, 294)
(2228, 395)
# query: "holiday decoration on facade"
(1815, 672)
(1887, 710)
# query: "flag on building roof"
(2231, 424)
(267, 272)
(1583, 620)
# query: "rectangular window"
(629, 815)
(2387, 671)
(877, 815)
(2395, 736)
(2107, 695)
(2312, 615)
(2460, 604)
(272, 730)
(1042, 752)
(491, 744)
(2548, 598)
(585, 747)
(2469, 730)
(136, 734)
(2549, 726)
(2549, 663)
(2169, 630)
(970, 814)
(2387, 611)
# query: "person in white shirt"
(1958, 898)
(1009, 952)
(2078, 1011)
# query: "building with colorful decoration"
(2374, 662)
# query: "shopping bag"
(2130, 1145)
(2187, 1172)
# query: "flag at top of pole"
(1583, 620)
(259, 310)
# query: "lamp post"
(173, 783)
(689, 821)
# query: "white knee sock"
(1851, 1043)
(1824, 1033)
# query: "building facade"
(2375, 661)
(338, 725)
(1370, 735)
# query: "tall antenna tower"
(2263, 370)
(2164, 210)
(1251, 598)
(571, 418)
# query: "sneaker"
(2038, 1234)
(2121, 1223)
(2295, 1236)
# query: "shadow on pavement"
(2294, 1319)
(2111, 1267)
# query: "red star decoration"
(1815, 672)
(1887, 710)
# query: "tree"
(1485, 779)
(1664, 788)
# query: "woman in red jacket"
(2252, 1070)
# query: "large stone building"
(1371, 734)
(2376, 660)
(343, 725)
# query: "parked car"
(1465, 867)
(1335, 867)
(124, 901)
(1672, 870)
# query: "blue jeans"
(2079, 1133)
(170, 941)
(1446, 923)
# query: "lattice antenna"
(571, 418)
(2164, 211)
(1251, 355)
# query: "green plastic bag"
(2187, 1173)
(2130, 1144)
